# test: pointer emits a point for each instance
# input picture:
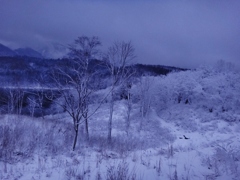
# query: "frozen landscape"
(183, 125)
(119, 90)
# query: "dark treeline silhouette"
(23, 71)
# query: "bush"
(120, 172)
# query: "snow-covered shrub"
(21, 137)
(120, 172)
(72, 173)
(124, 145)
(208, 89)
(177, 87)
(225, 160)
(7, 144)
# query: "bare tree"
(145, 97)
(40, 98)
(15, 100)
(84, 49)
(72, 96)
(35, 100)
(32, 104)
(73, 82)
(128, 86)
(119, 56)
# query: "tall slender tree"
(119, 56)
(73, 82)
(83, 50)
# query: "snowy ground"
(165, 148)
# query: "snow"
(191, 158)
(179, 141)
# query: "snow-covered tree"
(145, 96)
(15, 100)
(83, 51)
(212, 89)
(73, 81)
(118, 57)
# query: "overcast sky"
(183, 33)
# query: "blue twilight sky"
(184, 33)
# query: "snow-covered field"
(175, 140)
(159, 151)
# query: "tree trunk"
(76, 136)
(129, 108)
(20, 101)
(142, 116)
(41, 108)
(85, 116)
(110, 120)
(86, 127)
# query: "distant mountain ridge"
(29, 52)
(6, 51)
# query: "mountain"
(28, 52)
(5, 51)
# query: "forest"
(84, 117)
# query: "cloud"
(176, 33)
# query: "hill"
(5, 51)
(28, 70)
(28, 52)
